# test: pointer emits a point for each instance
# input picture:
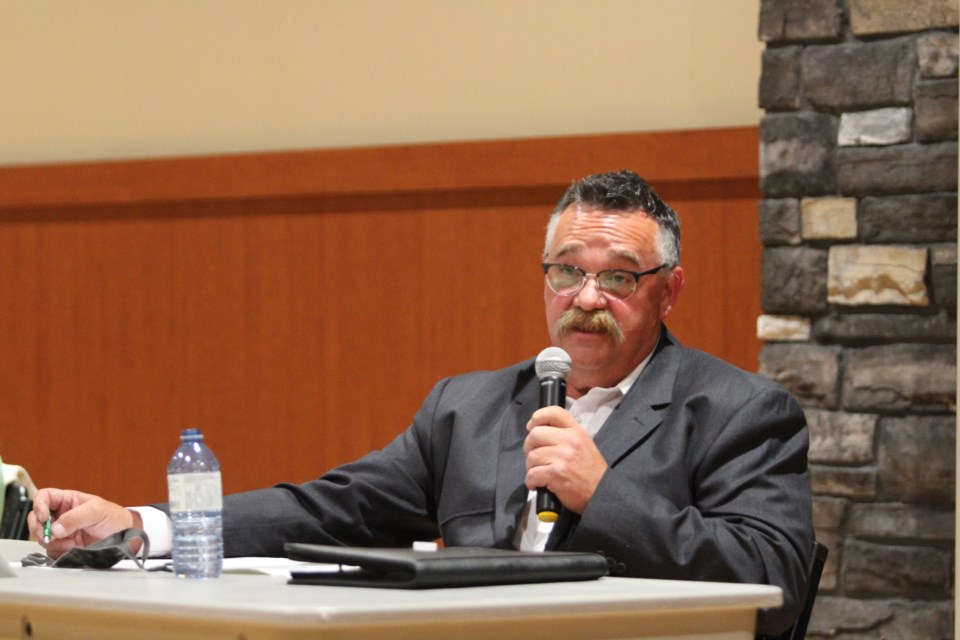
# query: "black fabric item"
(99, 555)
(450, 567)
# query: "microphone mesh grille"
(553, 361)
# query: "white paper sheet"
(259, 566)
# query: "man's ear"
(672, 286)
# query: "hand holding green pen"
(64, 519)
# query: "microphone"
(552, 366)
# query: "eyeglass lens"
(568, 281)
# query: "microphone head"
(553, 362)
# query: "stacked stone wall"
(859, 226)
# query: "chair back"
(799, 629)
(16, 505)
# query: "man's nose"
(590, 296)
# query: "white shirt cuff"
(159, 527)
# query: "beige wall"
(122, 78)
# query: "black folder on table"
(448, 567)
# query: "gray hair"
(622, 191)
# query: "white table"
(45, 603)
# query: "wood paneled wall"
(299, 306)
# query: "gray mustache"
(599, 321)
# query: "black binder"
(448, 567)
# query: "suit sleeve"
(736, 510)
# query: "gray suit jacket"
(707, 480)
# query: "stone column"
(859, 226)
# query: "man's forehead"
(575, 248)
(622, 232)
(586, 216)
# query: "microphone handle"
(553, 393)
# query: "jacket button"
(610, 563)
(620, 568)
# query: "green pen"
(46, 530)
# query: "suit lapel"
(511, 494)
(631, 423)
(641, 411)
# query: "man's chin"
(584, 346)
(586, 337)
(592, 335)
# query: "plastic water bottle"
(196, 504)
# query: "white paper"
(274, 566)
(253, 565)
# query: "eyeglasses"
(567, 280)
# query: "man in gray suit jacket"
(671, 463)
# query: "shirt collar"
(606, 394)
(625, 384)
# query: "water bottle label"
(195, 491)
